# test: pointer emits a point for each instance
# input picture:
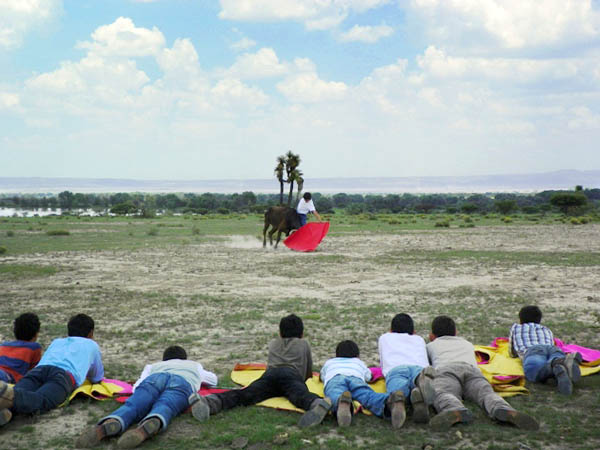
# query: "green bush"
(507, 219)
(2, 250)
(195, 230)
(444, 224)
(58, 232)
(10, 233)
(575, 221)
(153, 232)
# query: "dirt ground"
(223, 297)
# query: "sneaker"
(344, 409)
(572, 361)
(5, 416)
(517, 418)
(143, 431)
(200, 409)
(446, 419)
(93, 435)
(420, 408)
(424, 382)
(317, 412)
(395, 404)
(561, 374)
(6, 395)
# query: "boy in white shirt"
(404, 363)
(345, 378)
(160, 394)
(458, 376)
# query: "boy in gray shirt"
(458, 376)
(289, 366)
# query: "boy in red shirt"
(19, 356)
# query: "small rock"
(523, 446)
(306, 441)
(427, 446)
(281, 439)
(239, 442)
(458, 435)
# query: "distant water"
(41, 212)
(533, 182)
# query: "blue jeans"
(360, 390)
(163, 395)
(537, 361)
(7, 377)
(402, 378)
(302, 218)
(43, 388)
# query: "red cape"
(308, 237)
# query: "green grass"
(19, 271)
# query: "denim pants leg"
(43, 388)
(371, 400)
(537, 362)
(402, 378)
(302, 218)
(335, 388)
(161, 395)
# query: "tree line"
(577, 201)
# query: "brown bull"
(282, 219)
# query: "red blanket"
(308, 237)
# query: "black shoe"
(93, 435)
(317, 412)
(563, 381)
(446, 419)
(518, 419)
(420, 408)
(344, 409)
(395, 404)
(143, 431)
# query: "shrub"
(10, 233)
(444, 224)
(584, 219)
(152, 232)
(507, 219)
(58, 232)
(195, 230)
(2, 250)
(575, 221)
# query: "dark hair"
(443, 326)
(26, 326)
(307, 196)
(403, 323)
(347, 349)
(530, 314)
(291, 326)
(80, 325)
(174, 352)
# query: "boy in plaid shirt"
(534, 344)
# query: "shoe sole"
(5, 416)
(397, 409)
(420, 408)
(565, 387)
(425, 384)
(518, 419)
(344, 410)
(6, 395)
(201, 410)
(315, 416)
(446, 419)
(93, 435)
(135, 437)
(572, 361)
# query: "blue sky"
(199, 89)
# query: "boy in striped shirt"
(19, 356)
(534, 344)
(345, 378)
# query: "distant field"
(206, 283)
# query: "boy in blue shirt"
(161, 393)
(64, 366)
(21, 355)
(534, 344)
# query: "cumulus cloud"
(262, 64)
(123, 38)
(368, 34)
(307, 87)
(508, 24)
(9, 100)
(19, 17)
(243, 44)
(315, 14)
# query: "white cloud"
(262, 64)
(123, 38)
(19, 17)
(582, 118)
(9, 100)
(508, 24)
(315, 14)
(232, 92)
(243, 44)
(307, 87)
(368, 34)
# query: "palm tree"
(295, 175)
(292, 161)
(279, 169)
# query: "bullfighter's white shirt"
(304, 207)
